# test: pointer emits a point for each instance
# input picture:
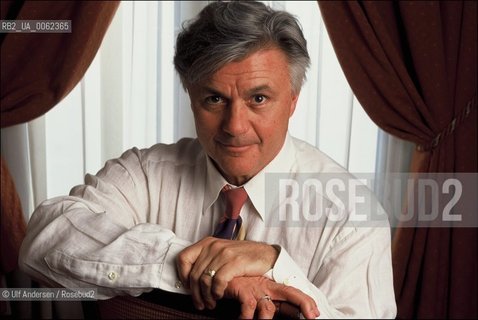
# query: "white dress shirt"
(121, 231)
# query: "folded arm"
(354, 280)
(97, 236)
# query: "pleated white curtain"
(131, 96)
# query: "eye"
(259, 99)
(214, 100)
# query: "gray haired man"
(144, 221)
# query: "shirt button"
(288, 281)
(178, 284)
(112, 275)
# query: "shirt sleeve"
(98, 236)
(354, 281)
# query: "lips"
(235, 147)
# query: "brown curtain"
(37, 71)
(40, 69)
(413, 67)
(12, 230)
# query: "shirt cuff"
(286, 271)
(169, 280)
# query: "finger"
(266, 309)
(200, 281)
(197, 273)
(204, 259)
(223, 276)
(195, 259)
(306, 304)
(205, 288)
(206, 284)
(184, 266)
(287, 310)
(209, 259)
(218, 286)
(212, 288)
(310, 311)
(248, 307)
(196, 296)
(199, 284)
(186, 259)
(230, 267)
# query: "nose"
(236, 122)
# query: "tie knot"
(235, 198)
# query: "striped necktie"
(230, 224)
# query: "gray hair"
(225, 32)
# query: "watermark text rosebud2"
(425, 200)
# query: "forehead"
(263, 67)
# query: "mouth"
(233, 148)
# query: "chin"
(239, 172)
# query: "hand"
(251, 293)
(228, 259)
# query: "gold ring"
(210, 272)
(266, 297)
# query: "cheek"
(205, 124)
(279, 122)
(273, 134)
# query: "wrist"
(274, 254)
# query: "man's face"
(242, 113)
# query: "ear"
(293, 103)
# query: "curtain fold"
(12, 225)
(413, 67)
(38, 70)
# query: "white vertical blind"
(15, 151)
(184, 122)
(65, 124)
(165, 68)
(131, 96)
(91, 117)
(304, 122)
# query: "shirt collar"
(214, 184)
(255, 187)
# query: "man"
(145, 220)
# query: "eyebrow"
(257, 89)
(211, 91)
(249, 92)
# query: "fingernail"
(210, 306)
(200, 306)
(316, 312)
